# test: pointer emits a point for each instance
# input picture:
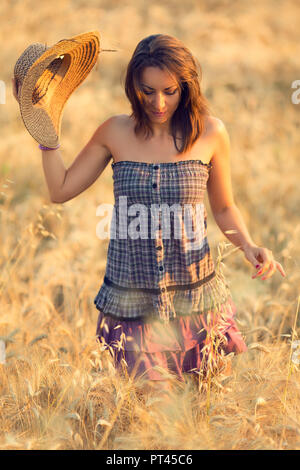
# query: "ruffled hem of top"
(181, 334)
(138, 305)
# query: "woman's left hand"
(264, 256)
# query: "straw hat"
(47, 76)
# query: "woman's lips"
(158, 114)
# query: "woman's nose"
(159, 102)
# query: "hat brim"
(51, 80)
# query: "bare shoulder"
(118, 122)
(114, 126)
(214, 125)
(107, 133)
(219, 134)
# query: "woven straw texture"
(47, 76)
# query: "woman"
(160, 292)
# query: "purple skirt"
(178, 347)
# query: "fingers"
(268, 268)
(266, 256)
(280, 269)
(269, 271)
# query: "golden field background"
(57, 389)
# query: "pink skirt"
(178, 347)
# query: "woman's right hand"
(14, 88)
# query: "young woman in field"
(161, 289)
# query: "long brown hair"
(168, 52)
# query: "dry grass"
(58, 390)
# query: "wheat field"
(58, 389)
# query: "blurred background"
(52, 263)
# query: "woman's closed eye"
(151, 92)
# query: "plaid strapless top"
(159, 262)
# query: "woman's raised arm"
(64, 184)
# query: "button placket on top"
(158, 240)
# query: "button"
(163, 289)
(161, 268)
(156, 167)
(159, 247)
(154, 185)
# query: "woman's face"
(161, 93)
